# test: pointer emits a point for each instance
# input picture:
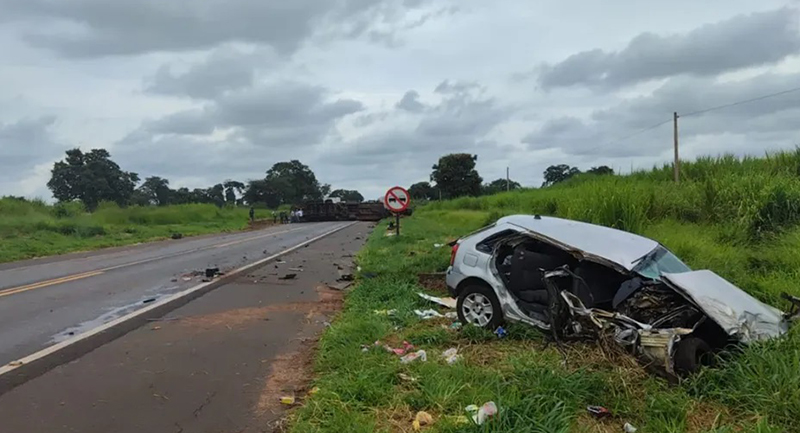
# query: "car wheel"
(478, 305)
(691, 354)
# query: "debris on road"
(287, 400)
(280, 262)
(598, 412)
(155, 328)
(629, 428)
(148, 300)
(187, 278)
(288, 277)
(445, 302)
(340, 286)
(480, 415)
(212, 272)
(345, 276)
(422, 418)
(177, 236)
(296, 269)
(411, 357)
(451, 356)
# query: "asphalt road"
(218, 364)
(45, 301)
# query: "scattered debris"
(313, 390)
(212, 272)
(598, 412)
(296, 269)
(407, 347)
(148, 300)
(340, 286)
(438, 245)
(385, 312)
(629, 428)
(411, 357)
(173, 280)
(445, 302)
(344, 276)
(155, 328)
(187, 278)
(15, 363)
(480, 415)
(500, 332)
(432, 314)
(456, 325)
(422, 418)
(280, 262)
(287, 400)
(288, 277)
(406, 377)
(177, 236)
(451, 355)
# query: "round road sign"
(397, 199)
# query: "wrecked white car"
(579, 280)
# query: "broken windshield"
(660, 261)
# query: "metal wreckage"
(583, 281)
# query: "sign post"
(397, 200)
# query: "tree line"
(93, 177)
(455, 176)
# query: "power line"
(771, 95)
(621, 139)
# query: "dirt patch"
(587, 423)
(289, 376)
(435, 282)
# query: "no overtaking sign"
(397, 199)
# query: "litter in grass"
(598, 412)
(500, 332)
(438, 245)
(433, 314)
(411, 357)
(389, 313)
(407, 347)
(455, 326)
(445, 302)
(406, 377)
(287, 400)
(451, 355)
(422, 418)
(629, 428)
(480, 415)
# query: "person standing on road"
(299, 215)
(252, 214)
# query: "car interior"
(523, 262)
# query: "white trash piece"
(420, 354)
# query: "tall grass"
(32, 228)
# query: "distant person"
(299, 215)
(252, 214)
(274, 217)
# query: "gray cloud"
(93, 28)
(740, 42)
(25, 143)
(225, 69)
(600, 133)
(410, 102)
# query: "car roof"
(620, 247)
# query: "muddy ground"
(219, 364)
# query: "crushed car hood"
(739, 314)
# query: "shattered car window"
(660, 261)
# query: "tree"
(294, 182)
(231, 188)
(602, 170)
(455, 175)
(260, 191)
(216, 195)
(422, 191)
(558, 173)
(348, 195)
(91, 178)
(499, 185)
(156, 190)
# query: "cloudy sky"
(369, 93)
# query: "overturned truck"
(583, 281)
(329, 210)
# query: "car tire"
(478, 305)
(692, 353)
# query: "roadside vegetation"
(32, 228)
(738, 218)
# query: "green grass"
(715, 219)
(34, 229)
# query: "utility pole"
(508, 181)
(677, 163)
